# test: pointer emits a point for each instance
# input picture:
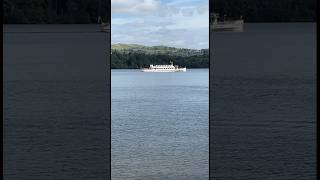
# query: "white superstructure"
(164, 68)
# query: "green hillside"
(127, 48)
(133, 56)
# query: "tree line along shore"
(55, 11)
(133, 56)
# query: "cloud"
(203, 9)
(134, 6)
(167, 11)
(121, 20)
(187, 12)
(172, 23)
(160, 34)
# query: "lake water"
(56, 102)
(160, 125)
(262, 94)
(263, 102)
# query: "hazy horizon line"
(158, 45)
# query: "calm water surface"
(263, 102)
(263, 114)
(56, 102)
(160, 125)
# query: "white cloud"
(176, 24)
(134, 6)
(121, 20)
(187, 12)
(203, 9)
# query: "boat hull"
(235, 26)
(165, 70)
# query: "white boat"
(225, 25)
(104, 27)
(164, 68)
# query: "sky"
(175, 23)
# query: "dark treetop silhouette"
(267, 11)
(55, 11)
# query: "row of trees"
(55, 11)
(135, 60)
(267, 10)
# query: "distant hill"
(127, 48)
(133, 56)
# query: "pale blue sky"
(177, 23)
